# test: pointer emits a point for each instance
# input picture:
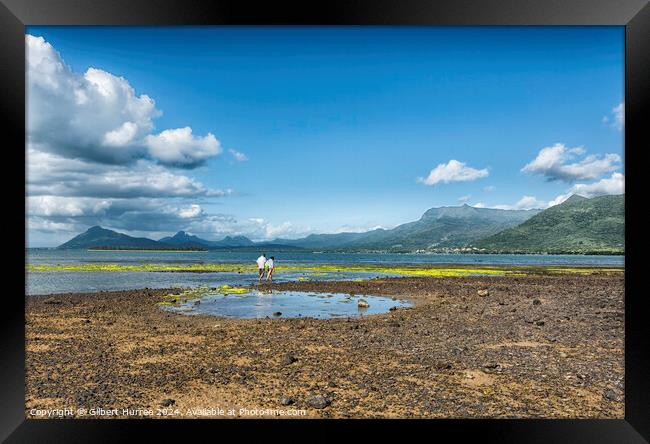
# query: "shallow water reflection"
(286, 304)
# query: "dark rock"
(392, 308)
(539, 323)
(167, 402)
(289, 359)
(612, 395)
(286, 400)
(537, 302)
(277, 313)
(317, 401)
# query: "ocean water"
(63, 281)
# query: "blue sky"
(336, 124)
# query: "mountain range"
(578, 225)
(183, 239)
(443, 227)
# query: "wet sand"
(535, 346)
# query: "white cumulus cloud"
(66, 206)
(98, 116)
(615, 184)
(51, 174)
(525, 203)
(453, 171)
(554, 163)
(179, 147)
(190, 211)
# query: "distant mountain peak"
(576, 198)
(238, 237)
(97, 236)
(234, 241)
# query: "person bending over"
(261, 262)
(270, 264)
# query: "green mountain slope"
(578, 225)
(443, 227)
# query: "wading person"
(261, 263)
(269, 273)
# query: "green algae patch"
(323, 270)
(227, 289)
(196, 293)
(436, 271)
(113, 267)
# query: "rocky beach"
(521, 346)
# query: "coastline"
(537, 346)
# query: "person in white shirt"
(261, 261)
(270, 264)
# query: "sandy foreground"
(536, 346)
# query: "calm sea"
(62, 282)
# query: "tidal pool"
(285, 304)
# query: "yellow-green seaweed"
(189, 294)
(324, 269)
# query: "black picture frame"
(633, 14)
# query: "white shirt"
(261, 261)
(270, 263)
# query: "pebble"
(167, 402)
(286, 400)
(289, 359)
(317, 401)
(611, 395)
(363, 303)
(483, 292)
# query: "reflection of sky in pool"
(292, 304)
